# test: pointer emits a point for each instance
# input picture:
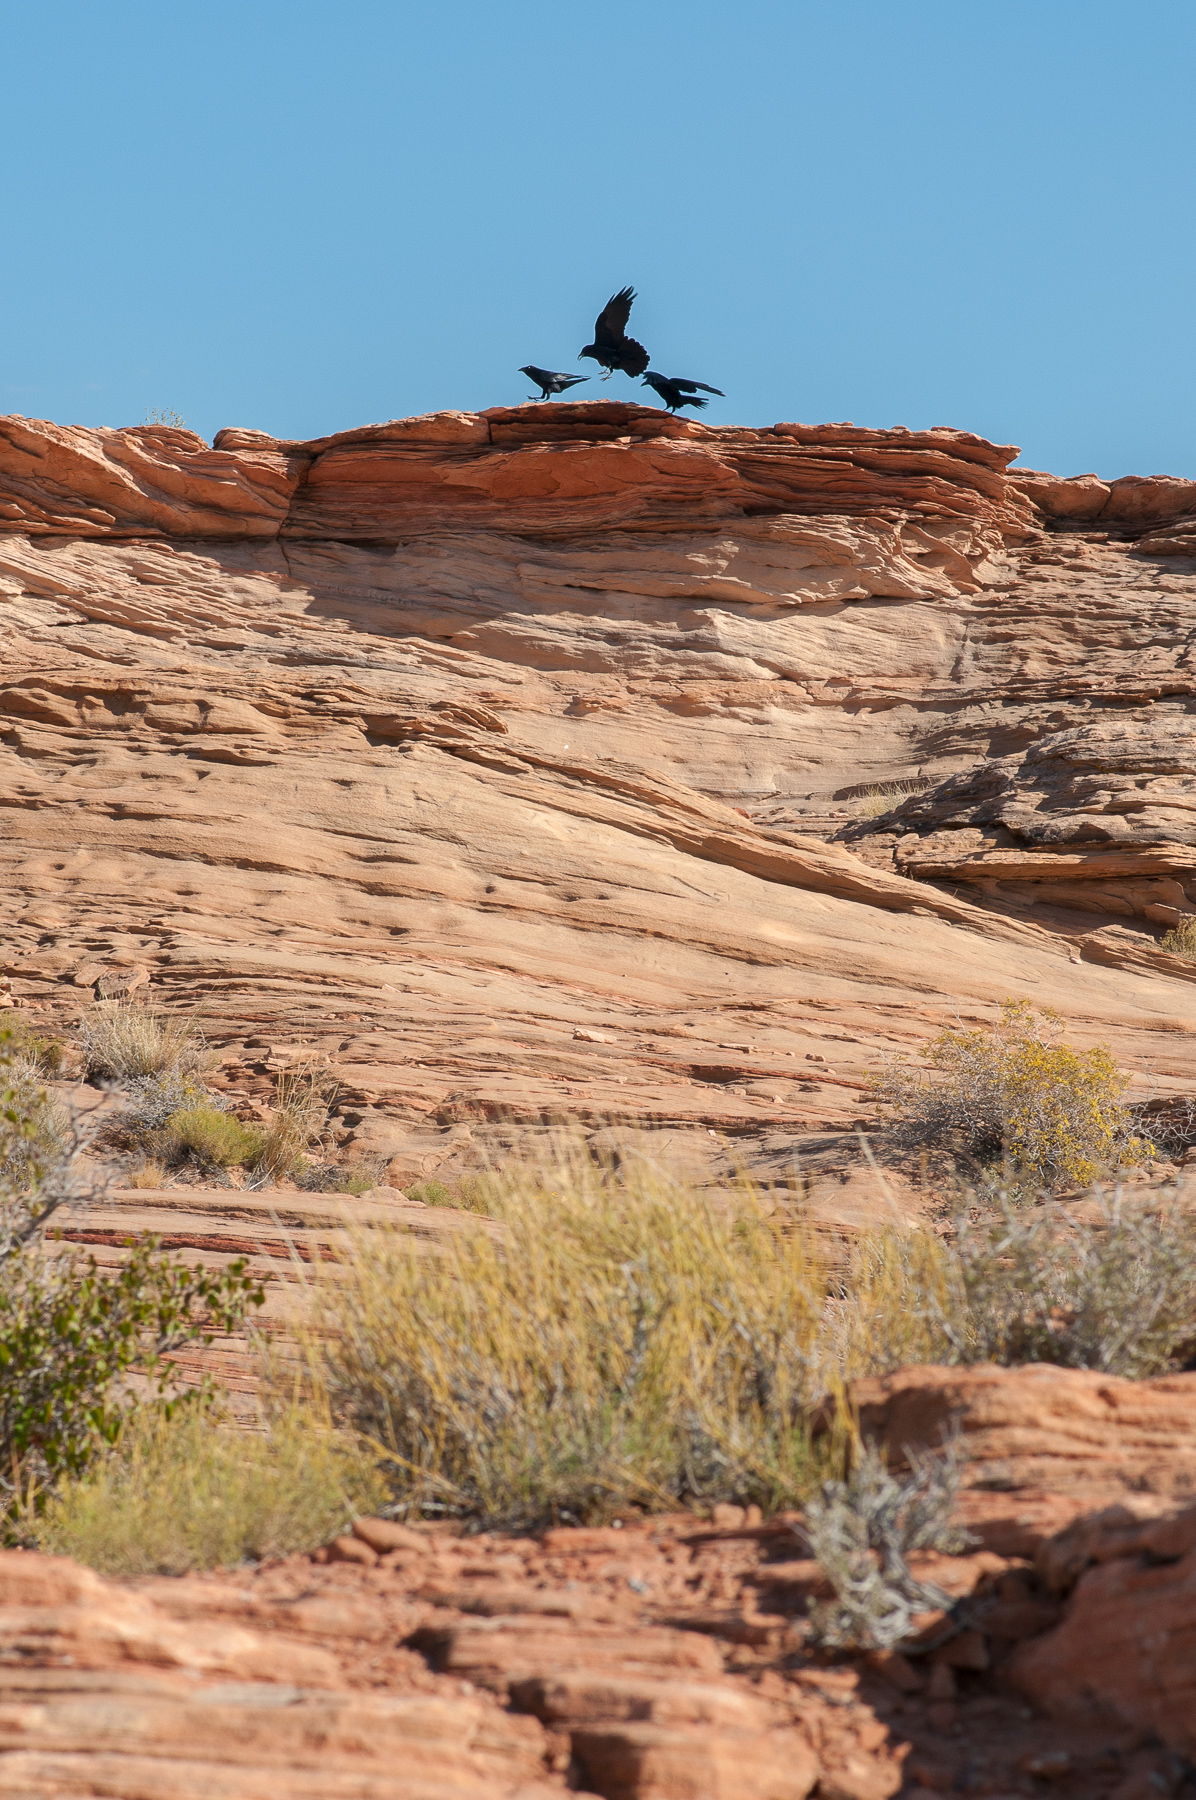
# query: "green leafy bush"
(183, 1490)
(71, 1335)
(1013, 1100)
(211, 1136)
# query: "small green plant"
(184, 1490)
(862, 1532)
(72, 1335)
(1026, 1112)
(34, 1132)
(429, 1193)
(156, 415)
(1181, 939)
(44, 1054)
(356, 1182)
(211, 1136)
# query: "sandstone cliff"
(515, 757)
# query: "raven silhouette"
(675, 391)
(612, 347)
(548, 381)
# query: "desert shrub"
(1013, 1100)
(44, 1054)
(1116, 1292)
(862, 1531)
(184, 1490)
(127, 1040)
(164, 415)
(210, 1136)
(609, 1345)
(429, 1193)
(35, 1132)
(300, 1114)
(71, 1335)
(1181, 939)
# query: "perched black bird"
(548, 382)
(612, 347)
(675, 391)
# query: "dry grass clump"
(1181, 939)
(126, 1040)
(183, 1490)
(1115, 1293)
(148, 1174)
(609, 1345)
(299, 1116)
(1015, 1101)
(875, 801)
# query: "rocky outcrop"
(661, 1657)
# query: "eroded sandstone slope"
(514, 758)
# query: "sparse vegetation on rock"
(187, 1490)
(609, 1345)
(863, 1530)
(1013, 1107)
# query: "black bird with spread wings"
(612, 347)
(675, 391)
(549, 381)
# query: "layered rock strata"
(658, 1659)
(498, 757)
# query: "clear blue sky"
(304, 217)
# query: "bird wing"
(611, 322)
(692, 387)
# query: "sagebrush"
(1111, 1288)
(863, 1530)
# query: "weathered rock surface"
(496, 756)
(662, 1659)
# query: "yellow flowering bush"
(1053, 1116)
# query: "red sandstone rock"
(1081, 1434)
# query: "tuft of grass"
(1014, 1102)
(1181, 939)
(149, 1174)
(163, 415)
(211, 1136)
(875, 801)
(475, 1193)
(300, 1114)
(127, 1040)
(604, 1345)
(181, 1490)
